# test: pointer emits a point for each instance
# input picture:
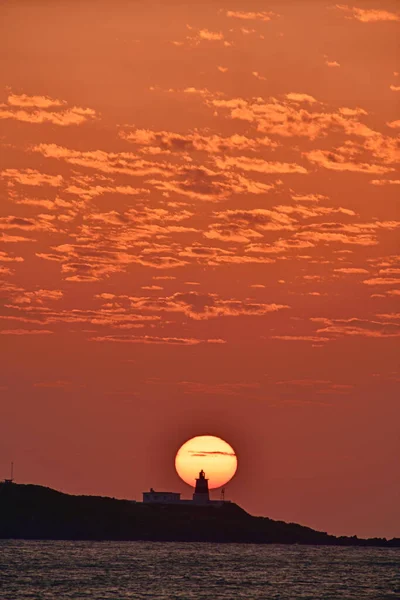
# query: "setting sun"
(209, 453)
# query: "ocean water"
(143, 570)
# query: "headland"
(41, 513)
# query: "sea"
(54, 570)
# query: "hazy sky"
(200, 235)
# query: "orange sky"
(200, 235)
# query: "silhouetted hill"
(36, 512)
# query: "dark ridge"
(41, 513)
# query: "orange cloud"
(382, 281)
(250, 16)
(124, 163)
(260, 166)
(31, 177)
(350, 270)
(358, 327)
(336, 162)
(14, 239)
(198, 306)
(299, 98)
(337, 237)
(206, 34)
(308, 197)
(175, 142)
(286, 118)
(52, 384)
(219, 389)
(385, 181)
(300, 338)
(43, 222)
(25, 332)
(171, 341)
(38, 111)
(22, 100)
(394, 124)
(4, 257)
(368, 15)
(332, 63)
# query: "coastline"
(34, 512)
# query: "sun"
(210, 454)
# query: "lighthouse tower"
(201, 495)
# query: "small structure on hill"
(153, 497)
(11, 479)
(201, 495)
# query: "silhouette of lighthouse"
(201, 494)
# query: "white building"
(153, 497)
(200, 496)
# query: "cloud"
(206, 35)
(25, 332)
(257, 75)
(203, 306)
(308, 197)
(328, 330)
(96, 261)
(38, 297)
(300, 338)
(218, 389)
(190, 142)
(385, 181)
(210, 186)
(4, 257)
(211, 36)
(52, 384)
(172, 341)
(245, 225)
(22, 100)
(251, 15)
(350, 270)
(358, 327)
(299, 98)
(395, 316)
(35, 110)
(394, 124)
(332, 63)
(124, 163)
(338, 237)
(260, 166)
(336, 162)
(92, 190)
(305, 382)
(14, 239)
(309, 212)
(210, 453)
(31, 177)
(316, 386)
(368, 15)
(38, 223)
(382, 281)
(288, 117)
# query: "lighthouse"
(201, 495)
